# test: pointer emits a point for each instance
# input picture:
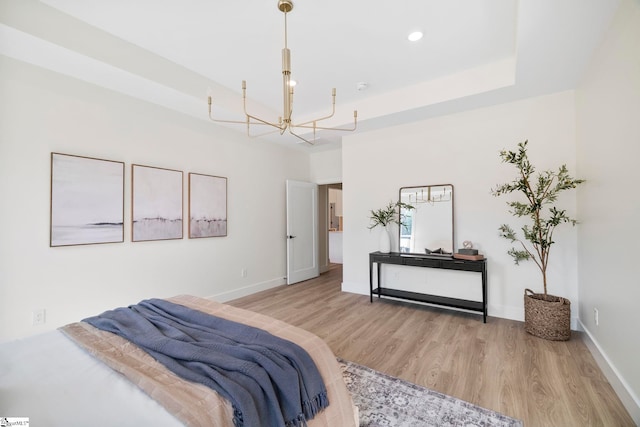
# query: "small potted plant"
(390, 214)
(546, 316)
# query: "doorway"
(336, 224)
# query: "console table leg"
(379, 280)
(484, 295)
(371, 281)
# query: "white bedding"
(73, 378)
(53, 382)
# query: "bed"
(80, 375)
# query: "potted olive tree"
(390, 214)
(546, 316)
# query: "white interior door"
(302, 231)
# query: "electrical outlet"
(595, 316)
(243, 272)
(39, 316)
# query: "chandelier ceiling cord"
(285, 122)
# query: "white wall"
(463, 150)
(326, 167)
(43, 112)
(608, 133)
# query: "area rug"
(391, 402)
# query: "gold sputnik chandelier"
(285, 122)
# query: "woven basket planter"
(547, 316)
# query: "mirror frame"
(453, 241)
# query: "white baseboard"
(517, 313)
(504, 312)
(630, 401)
(354, 288)
(247, 290)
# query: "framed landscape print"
(156, 203)
(207, 206)
(87, 200)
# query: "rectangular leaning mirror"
(427, 229)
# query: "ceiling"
(176, 53)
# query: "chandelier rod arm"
(239, 122)
(333, 111)
(355, 124)
(222, 120)
(258, 121)
(249, 116)
(351, 129)
(301, 137)
(261, 134)
(261, 122)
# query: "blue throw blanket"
(269, 381)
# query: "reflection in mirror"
(428, 228)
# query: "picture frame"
(87, 200)
(156, 203)
(207, 206)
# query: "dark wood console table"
(417, 260)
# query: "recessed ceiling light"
(415, 36)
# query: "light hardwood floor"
(496, 365)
